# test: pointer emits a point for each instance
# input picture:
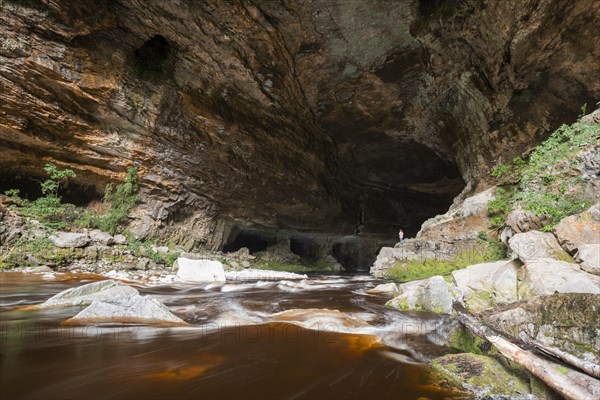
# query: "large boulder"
(134, 309)
(430, 294)
(482, 375)
(103, 238)
(199, 270)
(70, 239)
(579, 229)
(463, 221)
(534, 245)
(483, 286)
(589, 257)
(86, 294)
(111, 301)
(568, 321)
(414, 249)
(385, 288)
(548, 276)
(520, 221)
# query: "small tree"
(120, 200)
(51, 186)
(48, 209)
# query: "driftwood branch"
(546, 371)
(588, 367)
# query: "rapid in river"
(248, 339)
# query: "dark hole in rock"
(153, 60)
(29, 188)
(443, 7)
(354, 253)
(255, 240)
(310, 249)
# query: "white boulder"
(69, 239)
(430, 294)
(535, 245)
(100, 237)
(589, 257)
(120, 239)
(86, 294)
(385, 288)
(199, 270)
(136, 309)
(486, 285)
(548, 276)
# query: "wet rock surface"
(113, 302)
(86, 294)
(136, 309)
(429, 295)
(483, 286)
(482, 375)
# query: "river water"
(265, 339)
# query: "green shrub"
(540, 183)
(555, 206)
(141, 248)
(24, 252)
(500, 206)
(49, 209)
(500, 170)
(119, 200)
(14, 195)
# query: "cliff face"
(309, 116)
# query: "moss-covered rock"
(483, 286)
(465, 341)
(425, 295)
(568, 321)
(481, 375)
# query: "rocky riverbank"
(522, 256)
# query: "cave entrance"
(154, 59)
(310, 249)
(29, 188)
(254, 240)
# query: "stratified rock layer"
(313, 116)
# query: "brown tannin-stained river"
(238, 345)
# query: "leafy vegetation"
(146, 248)
(41, 250)
(48, 209)
(118, 203)
(546, 184)
(54, 214)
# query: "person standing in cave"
(401, 236)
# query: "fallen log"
(542, 369)
(588, 367)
